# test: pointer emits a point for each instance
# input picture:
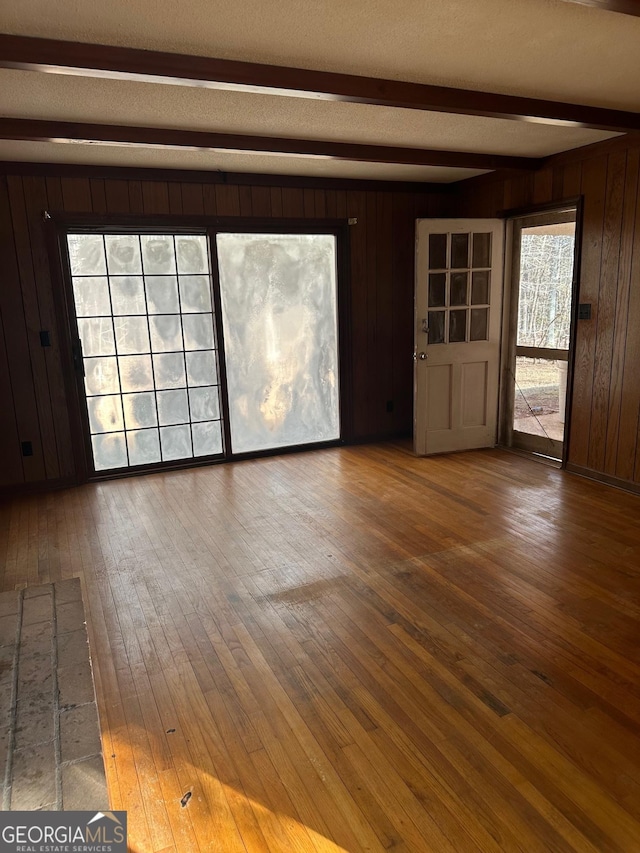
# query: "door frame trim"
(531, 216)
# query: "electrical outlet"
(584, 311)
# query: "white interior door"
(459, 274)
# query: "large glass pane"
(86, 254)
(101, 376)
(280, 319)
(436, 327)
(166, 332)
(123, 254)
(136, 373)
(540, 388)
(203, 404)
(105, 414)
(172, 407)
(437, 289)
(91, 296)
(162, 294)
(132, 335)
(201, 368)
(482, 249)
(480, 287)
(144, 392)
(109, 451)
(158, 255)
(457, 326)
(127, 294)
(169, 371)
(207, 438)
(195, 293)
(175, 442)
(198, 331)
(139, 410)
(96, 335)
(459, 251)
(192, 254)
(437, 251)
(479, 324)
(459, 286)
(546, 276)
(144, 447)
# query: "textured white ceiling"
(540, 48)
(226, 161)
(28, 94)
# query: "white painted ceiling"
(537, 48)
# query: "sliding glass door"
(149, 352)
(146, 341)
(279, 311)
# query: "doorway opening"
(539, 333)
(198, 347)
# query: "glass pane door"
(544, 298)
(279, 311)
(145, 322)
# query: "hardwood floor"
(356, 650)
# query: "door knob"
(420, 355)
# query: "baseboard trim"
(616, 482)
(19, 490)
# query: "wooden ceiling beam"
(154, 137)
(94, 60)
(625, 7)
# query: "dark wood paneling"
(36, 202)
(98, 195)
(228, 200)
(628, 460)
(260, 201)
(604, 428)
(11, 462)
(136, 201)
(621, 307)
(32, 318)
(117, 195)
(238, 179)
(276, 202)
(76, 194)
(192, 199)
(293, 202)
(18, 357)
(605, 312)
(155, 197)
(209, 200)
(246, 202)
(360, 289)
(403, 245)
(175, 197)
(381, 247)
(594, 176)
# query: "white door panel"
(458, 304)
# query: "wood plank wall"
(34, 406)
(604, 430)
